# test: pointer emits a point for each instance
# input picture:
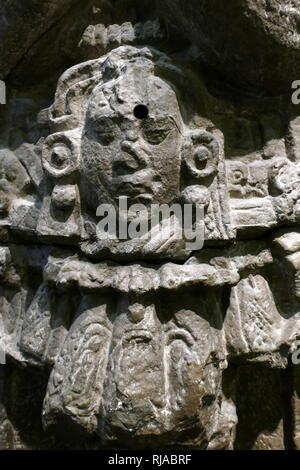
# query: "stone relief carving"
(98, 141)
(145, 342)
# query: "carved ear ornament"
(200, 153)
(61, 153)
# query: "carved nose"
(132, 136)
(127, 146)
(133, 150)
(130, 160)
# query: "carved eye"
(156, 131)
(137, 337)
(180, 335)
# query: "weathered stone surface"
(253, 41)
(149, 341)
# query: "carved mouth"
(139, 186)
(132, 188)
(136, 192)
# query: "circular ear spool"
(200, 153)
(61, 153)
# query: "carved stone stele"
(151, 341)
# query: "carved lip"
(136, 190)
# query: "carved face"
(131, 141)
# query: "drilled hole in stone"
(141, 111)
